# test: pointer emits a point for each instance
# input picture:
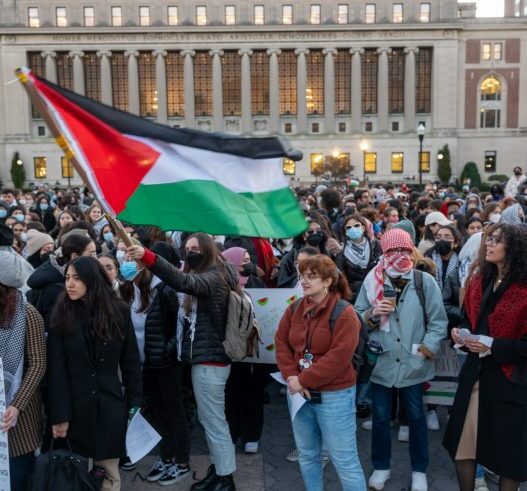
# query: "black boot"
(222, 483)
(204, 484)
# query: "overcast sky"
(489, 8)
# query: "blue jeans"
(208, 383)
(331, 424)
(20, 470)
(381, 446)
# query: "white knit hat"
(37, 240)
(14, 269)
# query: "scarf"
(358, 254)
(12, 344)
(56, 265)
(182, 316)
(452, 264)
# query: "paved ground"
(269, 470)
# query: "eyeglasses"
(493, 240)
(349, 227)
(309, 277)
(313, 231)
(399, 250)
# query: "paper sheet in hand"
(140, 438)
(295, 401)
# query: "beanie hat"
(396, 238)
(37, 240)
(14, 269)
(407, 226)
(6, 236)
(76, 231)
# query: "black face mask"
(247, 269)
(517, 172)
(193, 259)
(315, 239)
(443, 247)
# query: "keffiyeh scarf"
(452, 264)
(358, 254)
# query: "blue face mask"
(108, 236)
(44, 206)
(129, 270)
(3, 213)
(354, 233)
(376, 228)
(19, 218)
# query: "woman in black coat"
(44, 210)
(91, 338)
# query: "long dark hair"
(126, 289)
(100, 308)
(73, 244)
(209, 249)
(7, 304)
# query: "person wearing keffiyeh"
(445, 253)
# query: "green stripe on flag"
(206, 206)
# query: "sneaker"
(251, 447)
(158, 470)
(173, 474)
(325, 460)
(367, 425)
(480, 484)
(292, 456)
(378, 479)
(404, 434)
(419, 482)
(126, 465)
(432, 422)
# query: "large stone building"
(352, 79)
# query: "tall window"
(314, 16)
(425, 161)
(397, 13)
(117, 16)
(203, 83)
(61, 17)
(490, 103)
(317, 163)
(175, 84)
(343, 82)
(144, 16)
(92, 75)
(497, 50)
(37, 65)
(490, 161)
(89, 16)
(486, 49)
(424, 12)
(64, 70)
(32, 17)
(396, 81)
(259, 15)
(259, 83)
(232, 89)
(230, 15)
(41, 167)
(315, 82)
(173, 15)
(148, 99)
(201, 15)
(370, 162)
(397, 162)
(287, 70)
(287, 14)
(289, 167)
(370, 13)
(369, 62)
(119, 65)
(67, 168)
(342, 13)
(423, 80)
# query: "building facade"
(353, 79)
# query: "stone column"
(274, 90)
(382, 90)
(51, 67)
(301, 86)
(246, 89)
(217, 89)
(161, 86)
(409, 89)
(356, 89)
(78, 72)
(329, 90)
(106, 77)
(188, 73)
(133, 81)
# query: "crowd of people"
(93, 329)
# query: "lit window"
(424, 12)
(370, 13)
(201, 15)
(314, 17)
(343, 15)
(117, 16)
(173, 17)
(32, 14)
(259, 17)
(317, 164)
(490, 89)
(67, 168)
(230, 15)
(41, 167)
(144, 16)
(397, 13)
(485, 51)
(89, 16)
(397, 162)
(370, 162)
(287, 14)
(60, 14)
(289, 167)
(425, 161)
(490, 161)
(497, 51)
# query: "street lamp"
(421, 134)
(364, 147)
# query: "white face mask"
(120, 256)
(494, 217)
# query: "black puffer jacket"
(160, 329)
(450, 293)
(212, 292)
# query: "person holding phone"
(315, 359)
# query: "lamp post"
(421, 134)
(364, 147)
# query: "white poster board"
(5, 484)
(269, 307)
(442, 389)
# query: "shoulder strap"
(295, 305)
(335, 313)
(418, 282)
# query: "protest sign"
(5, 484)
(443, 388)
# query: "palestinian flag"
(177, 179)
